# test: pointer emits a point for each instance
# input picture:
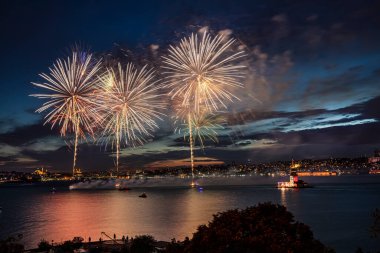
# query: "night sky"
(312, 87)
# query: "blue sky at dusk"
(312, 86)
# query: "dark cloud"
(24, 134)
(368, 109)
(345, 140)
(312, 18)
(7, 124)
(254, 115)
(353, 85)
(90, 157)
(328, 86)
(7, 159)
(347, 135)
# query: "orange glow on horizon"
(185, 162)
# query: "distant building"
(78, 172)
(293, 178)
(375, 158)
(40, 172)
(317, 173)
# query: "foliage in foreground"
(375, 228)
(263, 228)
(143, 244)
(11, 245)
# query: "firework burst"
(71, 85)
(130, 104)
(200, 73)
(203, 125)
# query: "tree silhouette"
(265, 228)
(143, 244)
(10, 245)
(375, 228)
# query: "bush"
(375, 228)
(44, 245)
(265, 228)
(143, 244)
(68, 246)
(10, 246)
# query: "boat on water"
(194, 184)
(294, 181)
(120, 187)
(143, 195)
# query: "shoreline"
(114, 244)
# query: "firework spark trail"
(76, 122)
(130, 104)
(117, 144)
(71, 84)
(191, 145)
(198, 127)
(200, 73)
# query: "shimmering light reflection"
(170, 212)
(74, 214)
(283, 196)
(66, 214)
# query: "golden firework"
(71, 84)
(130, 103)
(200, 73)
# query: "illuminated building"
(77, 172)
(40, 172)
(294, 181)
(317, 173)
(375, 158)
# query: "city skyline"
(311, 89)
